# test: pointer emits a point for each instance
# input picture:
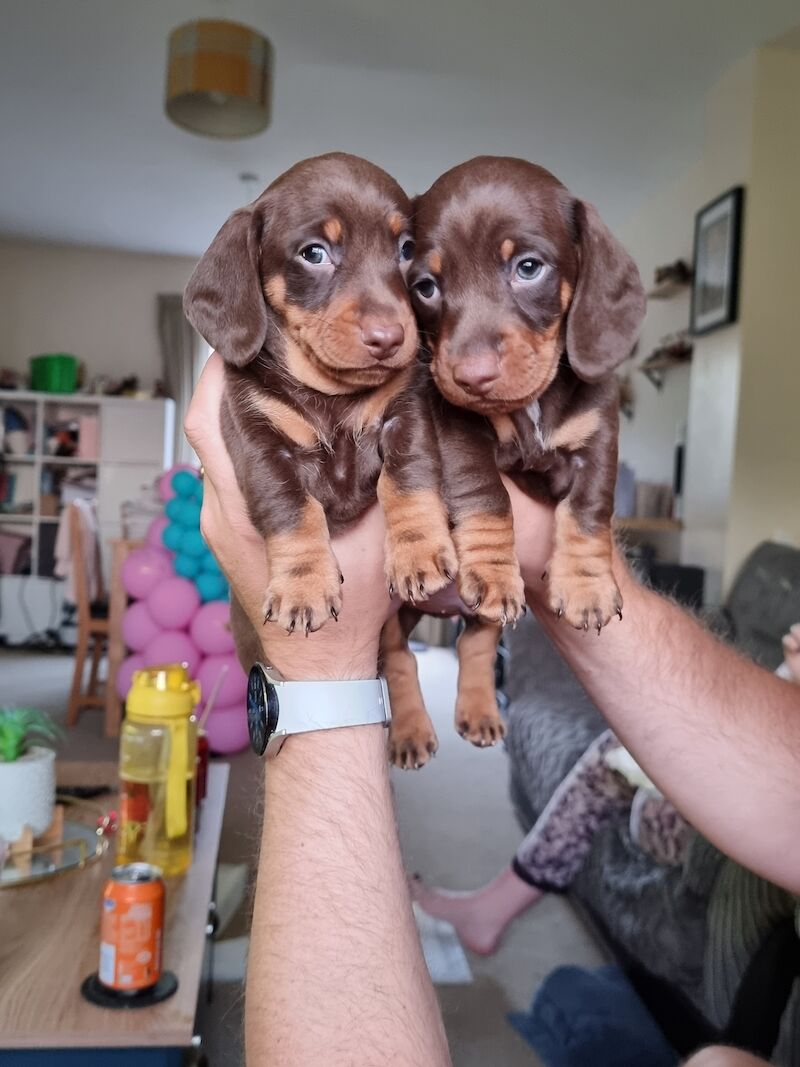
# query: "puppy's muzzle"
(382, 339)
(478, 372)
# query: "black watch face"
(262, 710)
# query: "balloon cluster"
(180, 612)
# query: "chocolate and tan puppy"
(526, 304)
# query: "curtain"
(183, 352)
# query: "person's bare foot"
(791, 651)
(482, 916)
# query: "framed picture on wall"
(717, 239)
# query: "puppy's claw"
(267, 616)
(334, 614)
(447, 574)
(391, 589)
(619, 612)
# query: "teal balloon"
(208, 563)
(193, 543)
(173, 537)
(190, 514)
(198, 489)
(187, 566)
(183, 482)
(174, 509)
(211, 586)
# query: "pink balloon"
(155, 530)
(138, 626)
(165, 490)
(173, 603)
(172, 646)
(210, 628)
(144, 569)
(233, 689)
(227, 729)
(125, 674)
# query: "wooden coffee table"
(49, 938)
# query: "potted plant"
(27, 771)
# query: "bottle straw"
(213, 698)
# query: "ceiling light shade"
(219, 79)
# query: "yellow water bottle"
(157, 760)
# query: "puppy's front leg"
(304, 585)
(489, 578)
(582, 587)
(420, 555)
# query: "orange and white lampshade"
(219, 79)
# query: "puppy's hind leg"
(412, 738)
(477, 714)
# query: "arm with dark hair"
(719, 735)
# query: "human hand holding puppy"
(348, 649)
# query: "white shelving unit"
(134, 443)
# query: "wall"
(714, 387)
(98, 304)
(705, 395)
(659, 233)
(765, 491)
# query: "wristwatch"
(277, 708)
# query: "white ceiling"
(607, 93)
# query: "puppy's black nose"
(477, 374)
(383, 339)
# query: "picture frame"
(717, 248)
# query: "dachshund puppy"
(304, 295)
(526, 303)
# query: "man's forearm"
(336, 972)
(720, 736)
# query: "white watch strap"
(305, 706)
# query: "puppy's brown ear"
(224, 300)
(608, 304)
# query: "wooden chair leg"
(74, 706)
(98, 643)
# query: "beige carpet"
(456, 828)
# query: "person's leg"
(548, 859)
(722, 1056)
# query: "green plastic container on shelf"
(54, 372)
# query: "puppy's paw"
(412, 744)
(478, 721)
(584, 600)
(494, 590)
(419, 564)
(302, 596)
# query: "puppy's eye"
(316, 255)
(406, 249)
(426, 288)
(529, 269)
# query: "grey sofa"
(686, 935)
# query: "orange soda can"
(132, 928)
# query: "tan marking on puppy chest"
(566, 294)
(504, 428)
(275, 292)
(507, 249)
(370, 411)
(285, 419)
(435, 262)
(575, 432)
(396, 223)
(333, 230)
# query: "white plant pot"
(27, 793)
